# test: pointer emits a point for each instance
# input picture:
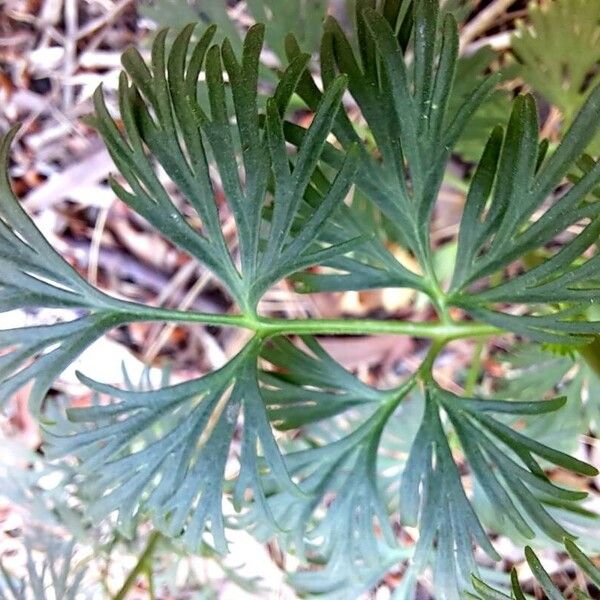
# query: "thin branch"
(140, 567)
(269, 327)
(482, 22)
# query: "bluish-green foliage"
(162, 454)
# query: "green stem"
(425, 371)
(456, 182)
(438, 297)
(423, 253)
(269, 327)
(140, 567)
(475, 368)
(149, 571)
(397, 395)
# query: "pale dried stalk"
(484, 20)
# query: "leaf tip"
(84, 379)
(5, 144)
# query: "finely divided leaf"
(35, 276)
(407, 110)
(163, 453)
(543, 579)
(504, 464)
(164, 122)
(508, 218)
(558, 53)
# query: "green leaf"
(302, 17)
(543, 579)
(169, 91)
(370, 264)
(163, 453)
(485, 592)
(27, 279)
(558, 53)
(347, 530)
(502, 463)
(432, 497)
(35, 276)
(58, 572)
(584, 165)
(589, 569)
(497, 230)
(55, 347)
(493, 112)
(527, 263)
(542, 576)
(342, 523)
(178, 13)
(309, 386)
(406, 110)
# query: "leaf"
(485, 592)
(406, 110)
(35, 276)
(156, 104)
(58, 572)
(589, 569)
(494, 111)
(303, 17)
(543, 579)
(26, 279)
(163, 453)
(432, 497)
(498, 230)
(54, 347)
(369, 265)
(527, 263)
(350, 547)
(309, 387)
(534, 371)
(503, 464)
(557, 49)
(502, 226)
(342, 522)
(584, 165)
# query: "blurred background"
(53, 55)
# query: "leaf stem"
(141, 566)
(268, 327)
(433, 330)
(475, 368)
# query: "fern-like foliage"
(34, 275)
(409, 115)
(495, 110)
(558, 54)
(527, 263)
(496, 227)
(57, 575)
(345, 467)
(161, 101)
(303, 17)
(504, 464)
(543, 580)
(183, 434)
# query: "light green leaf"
(557, 48)
(163, 453)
